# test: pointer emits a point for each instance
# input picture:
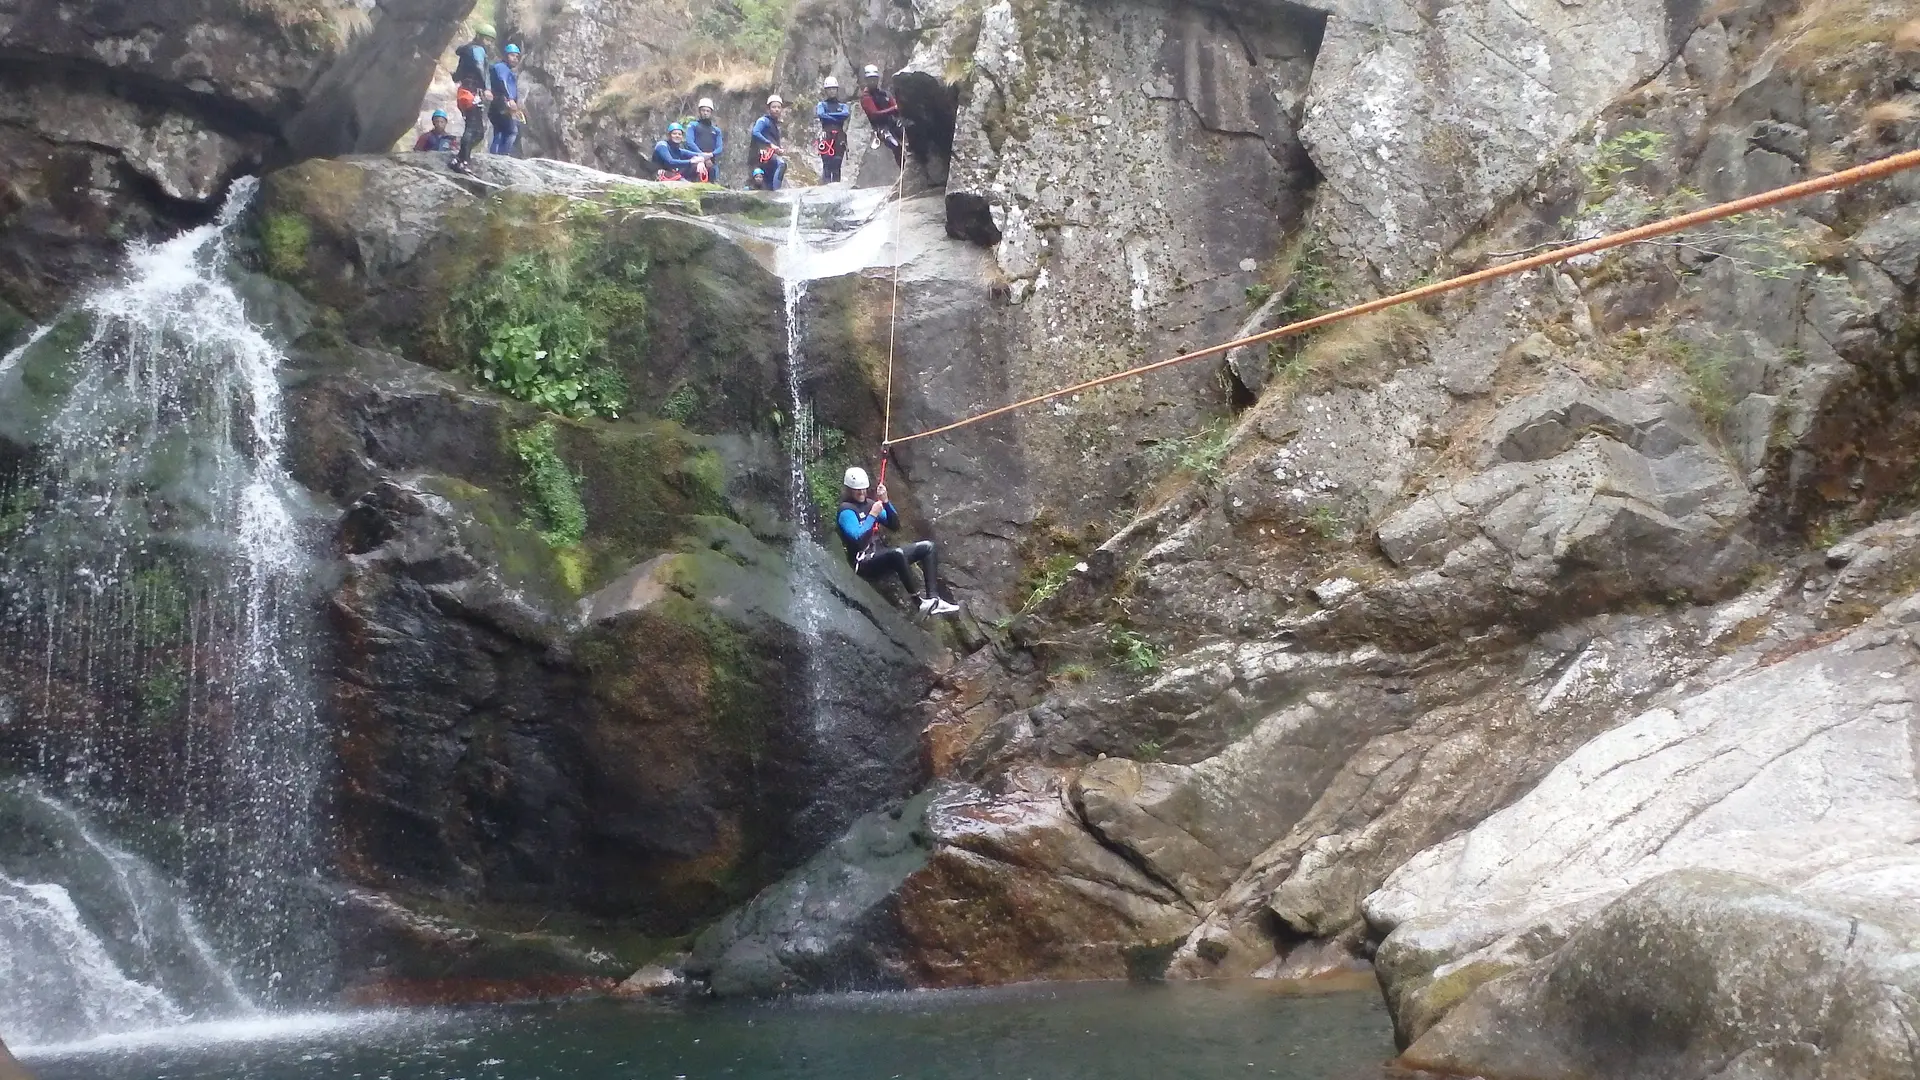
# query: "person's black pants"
(474, 133)
(890, 134)
(897, 560)
(830, 168)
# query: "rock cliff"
(1483, 640)
(127, 120)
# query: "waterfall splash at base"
(155, 621)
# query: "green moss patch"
(553, 489)
(284, 239)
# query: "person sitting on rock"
(767, 152)
(863, 523)
(674, 160)
(470, 94)
(705, 136)
(833, 115)
(883, 112)
(437, 138)
(505, 111)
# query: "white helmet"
(871, 72)
(776, 99)
(856, 478)
(705, 103)
(830, 83)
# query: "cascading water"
(809, 570)
(154, 585)
(95, 940)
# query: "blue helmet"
(438, 114)
(671, 128)
(513, 50)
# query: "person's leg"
(887, 561)
(923, 554)
(470, 135)
(505, 130)
(777, 175)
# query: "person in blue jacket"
(863, 523)
(706, 136)
(768, 154)
(673, 159)
(833, 115)
(505, 108)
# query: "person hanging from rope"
(864, 519)
(768, 155)
(833, 115)
(883, 112)
(706, 136)
(470, 94)
(674, 160)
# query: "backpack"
(470, 71)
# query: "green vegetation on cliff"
(538, 332)
(552, 487)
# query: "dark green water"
(1075, 1032)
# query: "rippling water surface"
(1082, 1032)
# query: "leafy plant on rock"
(1133, 652)
(558, 513)
(539, 340)
(1202, 454)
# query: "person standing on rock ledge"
(705, 136)
(506, 112)
(883, 112)
(470, 94)
(767, 152)
(861, 523)
(833, 115)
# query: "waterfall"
(155, 602)
(810, 596)
(94, 940)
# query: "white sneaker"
(933, 605)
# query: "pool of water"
(1072, 1032)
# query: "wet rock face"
(633, 732)
(127, 120)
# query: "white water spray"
(154, 565)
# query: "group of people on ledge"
(693, 151)
(485, 91)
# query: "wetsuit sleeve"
(853, 526)
(719, 140)
(891, 518)
(761, 133)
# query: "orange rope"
(1859, 174)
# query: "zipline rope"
(1847, 178)
(893, 312)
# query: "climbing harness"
(1859, 174)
